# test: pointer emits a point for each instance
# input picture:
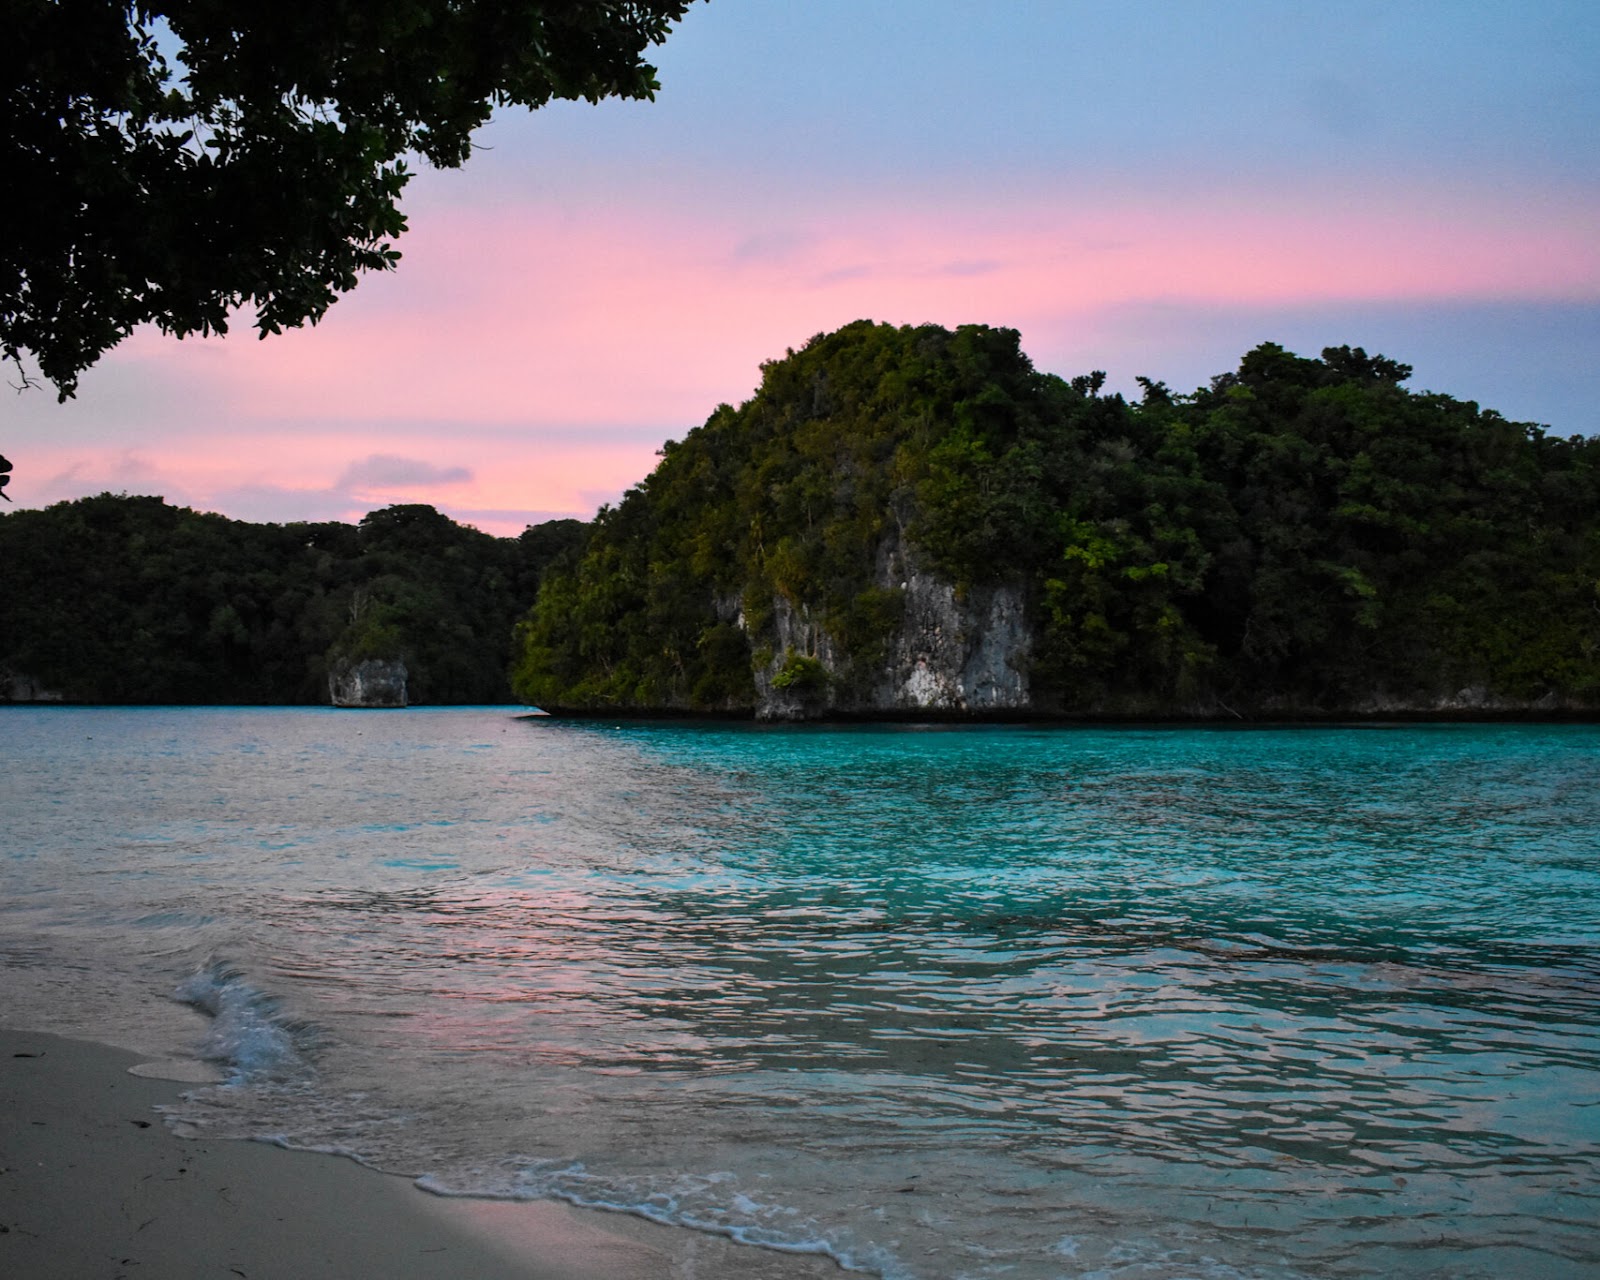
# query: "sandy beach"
(94, 1187)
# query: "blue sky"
(1146, 188)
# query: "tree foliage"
(119, 599)
(1300, 534)
(171, 162)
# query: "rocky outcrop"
(1474, 702)
(966, 655)
(16, 687)
(374, 682)
(960, 653)
(800, 679)
(952, 654)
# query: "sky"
(1149, 187)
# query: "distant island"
(901, 523)
(913, 522)
(121, 599)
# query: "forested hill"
(912, 520)
(128, 599)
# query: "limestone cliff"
(913, 522)
(952, 653)
(17, 687)
(374, 682)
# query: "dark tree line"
(1299, 534)
(128, 599)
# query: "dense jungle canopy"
(1301, 534)
(128, 599)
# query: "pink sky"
(529, 362)
(555, 319)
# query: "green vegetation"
(119, 599)
(1301, 534)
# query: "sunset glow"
(542, 337)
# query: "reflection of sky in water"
(1216, 982)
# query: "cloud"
(386, 471)
(48, 476)
(282, 504)
(526, 362)
(969, 267)
(635, 315)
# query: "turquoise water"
(956, 1002)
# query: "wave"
(723, 1212)
(249, 1036)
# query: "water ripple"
(981, 1003)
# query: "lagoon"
(958, 1001)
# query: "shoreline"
(1402, 715)
(93, 1184)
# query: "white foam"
(246, 1036)
(574, 1185)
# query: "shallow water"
(957, 1002)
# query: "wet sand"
(94, 1187)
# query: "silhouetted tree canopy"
(171, 162)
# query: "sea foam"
(749, 1222)
(248, 1037)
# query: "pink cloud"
(528, 317)
(388, 471)
(534, 359)
(289, 476)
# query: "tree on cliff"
(1302, 533)
(170, 162)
